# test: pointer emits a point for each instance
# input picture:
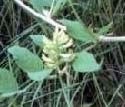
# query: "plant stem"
(47, 19)
(112, 39)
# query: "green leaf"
(8, 83)
(105, 29)
(85, 62)
(30, 63)
(78, 31)
(37, 39)
(39, 75)
(25, 59)
(39, 4)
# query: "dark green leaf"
(85, 62)
(8, 83)
(25, 59)
(37, 39)
(79, 31)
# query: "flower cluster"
(57, 51)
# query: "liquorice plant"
(57, 54)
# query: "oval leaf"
(85, 62)
(8, 83)
(79, 31)
(25, 59)
(37, 39)
(39, 75)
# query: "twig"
(112, 39)
(38, 15)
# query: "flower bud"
(47, 59)
(60, 37)
(67, 57)
(51, 65)
(68, 44)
